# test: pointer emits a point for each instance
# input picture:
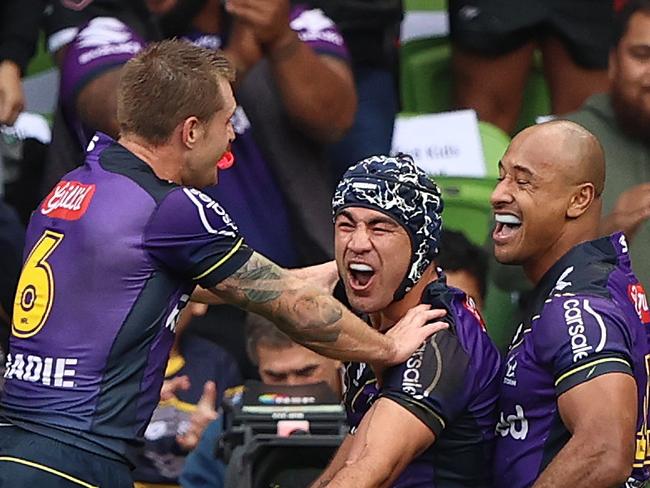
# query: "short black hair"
(457, 253)
(260, 330)
(622, 17)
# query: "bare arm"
(336, 464)
(601, 416)
(312, 317)
(318, 91)
(632, 209)
(388, 439)
(97, 103)
(12, 98)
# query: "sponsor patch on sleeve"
(637, 295)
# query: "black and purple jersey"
(112, 256)
(588, 317)
(450, 383)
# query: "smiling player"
(574, 389)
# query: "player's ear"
(581, 200)
(190, 131)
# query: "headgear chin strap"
(401, 190)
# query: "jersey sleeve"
(102, 44)
(581, 337)
(194, 237)
(318, 31)
(432, 384)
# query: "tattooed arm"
(312, 317)
(323, 275)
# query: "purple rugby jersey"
(112, 255)
(588, 317)
(450, 383)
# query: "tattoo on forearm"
(312, 317)
(260, 283)
(319, 316)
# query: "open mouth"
(506, 226)
(360, 276)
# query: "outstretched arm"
(312, 317)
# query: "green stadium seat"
(425, 5)
(426, 81)
(467, 205)
(425, 75)
(495, 142)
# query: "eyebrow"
(373, 221)
(520, 168)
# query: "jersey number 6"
(35, 292)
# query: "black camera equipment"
(280, 436)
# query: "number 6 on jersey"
(35, 292)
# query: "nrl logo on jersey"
(68, 200)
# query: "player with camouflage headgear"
(430, 420)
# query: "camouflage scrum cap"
(397, 187)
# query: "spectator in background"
(493, 42)
(620, 120)
(371, 29)
(19, 30)
(464, 264)
(280, 361)
(200, 372)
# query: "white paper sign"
(446, 143)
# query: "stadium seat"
(426, 81)
(424, 5)
(495, 142)
(425, 75)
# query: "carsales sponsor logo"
(640, 300)
(68, 200)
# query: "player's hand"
(204, 414)
(413, 329)
(631, 210)
(12, 99)
(268, 18)
(171, 386)
(243, 48)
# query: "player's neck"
(162, 159)
(575, 234)
(393, 313)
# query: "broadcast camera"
(280, 436)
